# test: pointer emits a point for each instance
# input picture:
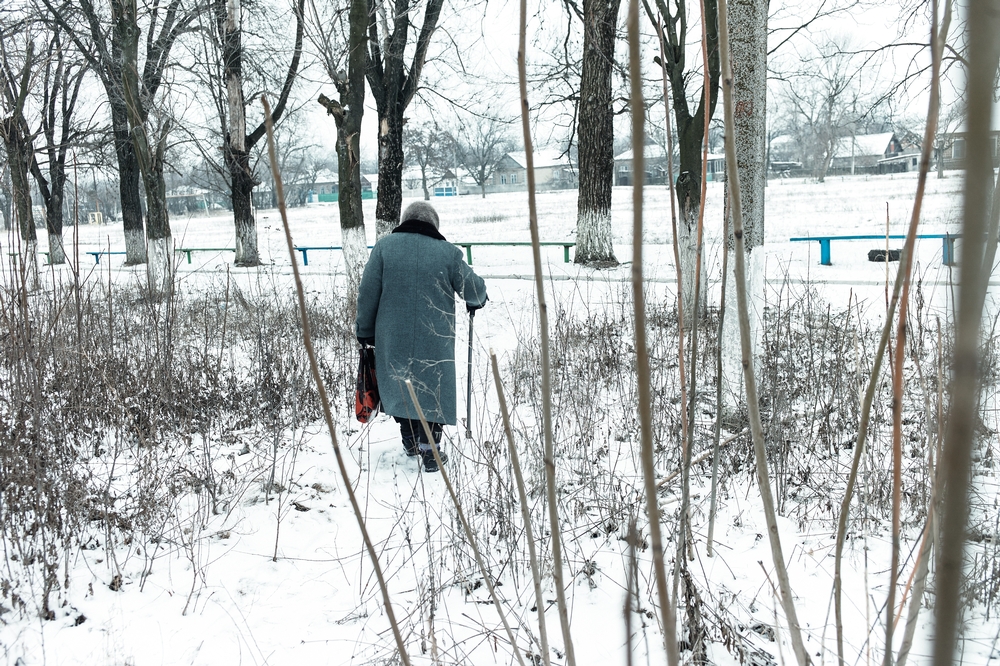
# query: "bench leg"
(566, 254)
(948, 250)
(468, 253)
(305, 256)
(824, 252)
(188, 253)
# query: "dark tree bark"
(347, 113)
(61, 83)
(238, 144)
(690, 126)
(595, 135)
(393, 86)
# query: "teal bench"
(947, 244)
(188, 250)
(96, 254)
(566, 245)
(306, 250)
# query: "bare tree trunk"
(159, 243)
(393, 85)
(238, 142)
(128, 185)
(690, 132)
(748, 39)
(347, 113)
(595, 135)
(129, 172)
(241, 180)
(390, 171)
(20, 155)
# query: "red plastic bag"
(366, 398)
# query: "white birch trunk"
(355, 246)
(159, 266)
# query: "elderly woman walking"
(406, 308)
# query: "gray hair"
(421, 211)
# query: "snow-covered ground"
(281, 578)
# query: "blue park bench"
(97, 254)
(566, 245)
(947, 244)
(306, 250)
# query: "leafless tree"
(230, 53)
(690, 126)
(479, 143)
(16, 82)
(595, 134)
(394, 82)
(825, 99)
(339, 41)
(426, 149)
(63, 73)
(95, 32)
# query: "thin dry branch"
(543, 318)
(667, 614)
(487, 579)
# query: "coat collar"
(418, 227)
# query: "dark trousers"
(413, 431)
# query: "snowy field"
(280, 577)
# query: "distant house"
(186, 200)
(954, 145)
(864, 153)
(553, 171)
(656, 166)
(655, 158)
(326, 188)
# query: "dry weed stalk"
(529, 533)
(733, 182)
(324, 398)
(667, 615)
(487, 580)
(901, 285)
(543, 317)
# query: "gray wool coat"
(406, 301)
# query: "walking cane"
(468, 397)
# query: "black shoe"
(430, 464)
(410, 447)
